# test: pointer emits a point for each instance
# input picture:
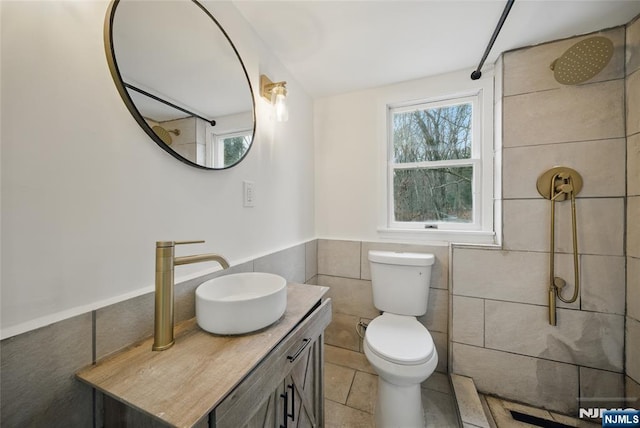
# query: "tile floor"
(350, 385)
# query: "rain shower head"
(583, 60)
(164, 134)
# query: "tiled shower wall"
(500, 332)
(343, 266)
(633, 212)
(38, 386)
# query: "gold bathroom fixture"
(559, 184)
(165, 263)
(276, 94)
(165, 134)
(583, 61)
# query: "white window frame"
(474, 161)
(215, 146)
(482, 230)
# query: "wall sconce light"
(276, 94)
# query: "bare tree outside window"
(431, 180)
(235, 148)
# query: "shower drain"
(534, 420)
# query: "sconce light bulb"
(280, 105)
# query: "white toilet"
(397, 345)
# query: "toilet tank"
(400, 281)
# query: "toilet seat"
(399, 339)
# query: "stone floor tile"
(337, 415)
(347, 358)
(363, 392)
(337, 382)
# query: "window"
(229, 148)
(437, 160)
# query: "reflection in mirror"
(182, 80)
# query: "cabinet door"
(302, 389)
(265, 417)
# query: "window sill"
(431, 235)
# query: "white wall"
(86, 193)
(350, 144)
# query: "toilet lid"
(399, 339)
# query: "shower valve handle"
(564, 188)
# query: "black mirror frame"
(119, 82)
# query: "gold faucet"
(165, 262)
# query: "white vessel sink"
(240, 303)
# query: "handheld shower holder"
(558, 184)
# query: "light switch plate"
(248, 193)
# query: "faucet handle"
(188, 242)
(164, 244)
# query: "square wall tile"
(439, 270)
(289, 263)
(632, 390)
(598, 162)
(600, 223)
(633, 348)
(570, 113)
(437, 316)
(339, 258)
(633, 165)
(633, 103)
(350, 296)
(633, 46)
(527, 70)
(602, 283)
(311, 257)
(515, 276)
(341, 332)
(441, 342)
(468, 320)
(38, 384)
(600, 388)
(633, 226)
(633, 288)
(124, 323)
(584, 338)
(525, 224)
(539, 382)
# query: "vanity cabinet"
(286, 389)
(271, 378)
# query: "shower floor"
(507, 414)
(485, 411)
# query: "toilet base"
(399, 406)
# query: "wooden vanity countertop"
(183, 384)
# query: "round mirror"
(182, 80)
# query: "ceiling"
(334, 47)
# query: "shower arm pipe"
(170, 104)
(507, 8)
